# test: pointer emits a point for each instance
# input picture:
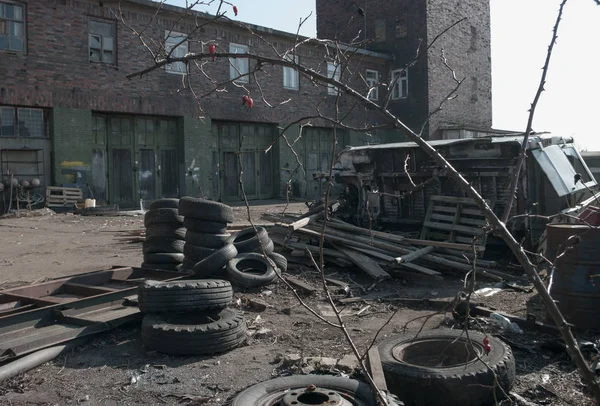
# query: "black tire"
(247, 240)
(187, 266)
(162, 216)
(271, 392)
(213, 264)
(203, 209)
(203, 226)
(184, 296)
(164, 204)
(200, 333)
(152, 245)
(269, 247)
(166, 231)
(405, 362)
(163, 258)
(162, 267)
(206, 240)
(250, 270)
(195, 253)
(280, 261)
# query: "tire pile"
(164, 243)
(190, 317)
(209, 247)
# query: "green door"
(121, 152)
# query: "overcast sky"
(521, 31)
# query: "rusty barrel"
(575, 284)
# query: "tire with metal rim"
(206, 240)
(201, 333)
(164, 204)
(203, 226)
(250, 270)
(184, 296)
(212, 265)
(162, 216)
(166, 231)
(249, 240)
(302, 390)
(162, 245)
(444, 366)
(205, 210)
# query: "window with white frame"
(400, 90)
(333, 72)
(12, 26)
(291, 78)
(22, 122)
(372, 78)
(238, 66)
(101, 36)
(176, 44)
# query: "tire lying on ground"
(249, 240)
(162, 216)
(163, 258)
(187, 266)
(214, 263)
(206, 240)
(203, 226)
(156, 245)
(205, 210)
(164, 204)
(209, 332)
(439, 367)
(293, 390)
(166, 231)
(279, 260)
(250, 270)
(184, 296)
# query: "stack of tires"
(163, 246)
(250, 268)
(206, 250)
(190, 317)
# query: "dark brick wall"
(401, 27)
(56, 72)
(468, 52)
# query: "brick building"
(69, 116)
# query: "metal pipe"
(37, 358)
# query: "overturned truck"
(391, 185)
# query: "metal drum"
(575, 284)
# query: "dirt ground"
(116, 369)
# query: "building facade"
(69, 116)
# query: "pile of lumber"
(379, 254)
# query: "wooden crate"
(454, 219)
(62, 196)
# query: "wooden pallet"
(61, 196)
(454, 219)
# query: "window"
(372, 82)
(177, 45)
(333, 72)
(12, 26)
(238, 66)
(102, 41)
(400, 90)
(22, 122)
(291, 78)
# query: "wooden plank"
(376, 369)
(442, 217)
(471, 221)
(298, 284)
(452, 199)
(413, 256)
(304, 221)
(447, 209)
(365, 263)
(422, 269)
(453, 227)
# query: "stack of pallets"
(63, 196)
